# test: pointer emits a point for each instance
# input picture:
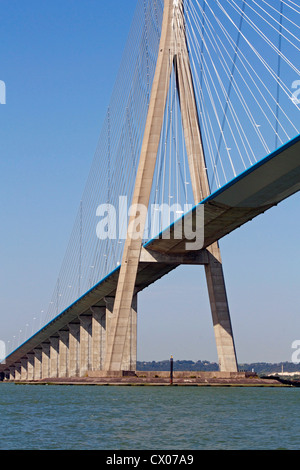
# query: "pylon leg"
(115, 357)
(214, 270)
(220, 310)
(129, 349)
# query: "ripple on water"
(61, 417)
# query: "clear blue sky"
(59, 60)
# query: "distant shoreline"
(260, 368)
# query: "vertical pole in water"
(171, 370)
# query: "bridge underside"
(261, 187)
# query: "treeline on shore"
(258, 367)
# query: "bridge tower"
(121, 337)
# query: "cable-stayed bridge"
(203, 128)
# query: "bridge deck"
(261, 187)
(256, 190)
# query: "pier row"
(77, 349)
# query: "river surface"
(148, 418)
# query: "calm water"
(154, 418)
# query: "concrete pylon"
(173, 52)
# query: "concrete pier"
(99, 315)
(45, 359)
(74, 331)
(85, 335)
(63, 353)
(37, 375)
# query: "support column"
(45, 360)
(85, 340)
(98, 337)
(130, 350)
(220, 311)
(63, 353)
(24, 368)
(129, 354)
(37, 364)
(73, 349)
(12, 373)
(30, 366)
(17, 372)
(109, 301)
(54, 357)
